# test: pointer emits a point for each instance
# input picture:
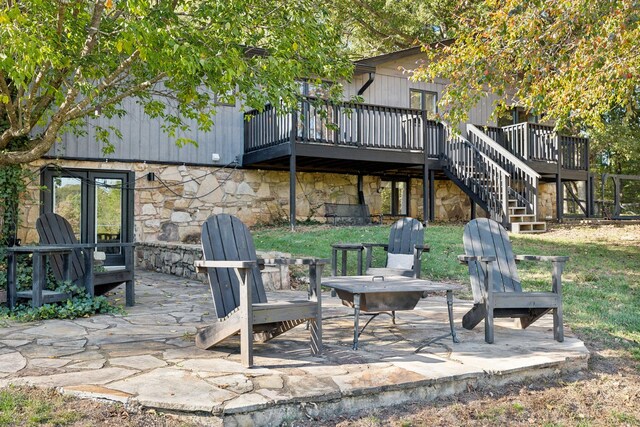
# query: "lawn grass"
(601, 282)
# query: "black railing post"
(246, 133)
(336, 122)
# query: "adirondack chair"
(404, 250)
(55, 230)
(238, 292)
(497, 291)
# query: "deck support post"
(559, 189)
(589, 194)
(426, 211)
(473, 208)
(432, 196)
(426, 182)
(292, 171)
(360, 189)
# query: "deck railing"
(494, 132)
(536, 142)
(483, 176)
(266, 128)
(345, 124)
(575, 152)
(524, 180)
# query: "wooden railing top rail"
(465, 141)
(348, 104)
(503, 151)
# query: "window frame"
(423, 98)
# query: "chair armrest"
(541, 258)
(465, 259)
(202, 265)
(424, 248)
(376, 245)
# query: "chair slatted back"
(404, 235)
(485, 237)
(226, 238)
(56, 230)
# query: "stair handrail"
(505, 176)
(524, 178)
(503, 151)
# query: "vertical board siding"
(143, 138)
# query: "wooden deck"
(372, 139)
(498, 168)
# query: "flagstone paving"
(147, 358)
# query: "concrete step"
(517, 210)
(528, 227)
(522, 218)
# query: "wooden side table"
(344, 248)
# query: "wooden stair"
(522, 222)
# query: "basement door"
(97, 203)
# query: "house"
(266, 167)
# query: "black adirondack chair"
(404, 250)
(496, 287)
(238, 292)
(55, 230)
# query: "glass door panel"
(67, 201)
(108, 212)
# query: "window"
(97, 203)
(515, 115)
(424, 100)
(395, 197)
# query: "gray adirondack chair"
(496, 287)
(56, 230)
(238, 292)
(404, 250)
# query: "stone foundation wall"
(547, 201)
(173, 207)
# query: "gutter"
(372, 76)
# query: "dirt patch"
(619, 233)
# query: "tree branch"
(114, 100)
(106, 83)
(9, 106)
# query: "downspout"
(372, 76)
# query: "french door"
(97, 203)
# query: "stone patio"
(147, 358)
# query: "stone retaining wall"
(177, 259)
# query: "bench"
(347, 213)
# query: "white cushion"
(402, 261)
(114, 267)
